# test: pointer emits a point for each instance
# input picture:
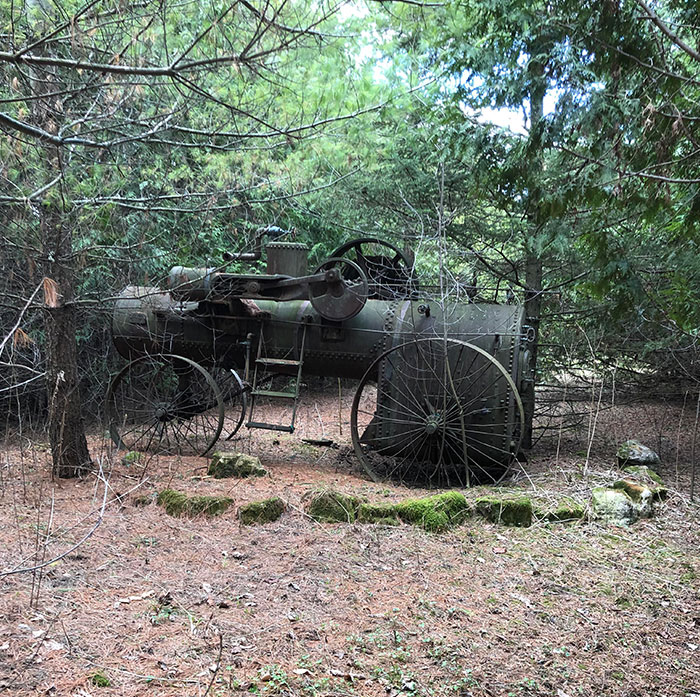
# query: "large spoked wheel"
(235, 395)
(165, 404)
(388, 269)
(438, 412)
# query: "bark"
(533, 261)
(66, 430)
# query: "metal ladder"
(261, 373)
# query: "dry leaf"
(21, 339)
(50, 292)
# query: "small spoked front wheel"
(165, 404)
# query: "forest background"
(139, 135)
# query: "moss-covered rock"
(330, 506)
(633, 453)
(507, 510)
(613, 506)
(435, 513)
(641, 495)
(259, 512)
(644, 473)
(648, 477)
(566, 510)
(224, 465)
(177, 504)
(379, 513)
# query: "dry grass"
(165, 606)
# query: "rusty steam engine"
(438, 399)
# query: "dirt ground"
(149, 604)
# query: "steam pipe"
(256, 254)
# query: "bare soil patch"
(157, 605)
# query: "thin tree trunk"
(66, 431)
(533, 261)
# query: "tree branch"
(667, 32)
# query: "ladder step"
(277, 361)
(270, 427)
(272, 393)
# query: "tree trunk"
(66, 431)
(533, 260)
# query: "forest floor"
(154, 605)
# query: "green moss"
(435, 513)
(333, 507)
(515, 511)
(131, 458)
(644, 472)
(380, 513)
(260, 512)
(100, 680)
(224, 465)
(178, 504)
(566, 510)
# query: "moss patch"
(259, 512)
(333, 507)
(566, 510)
(644, 473)
(177, 504)
(100, 680)
(224, 465)
(515, 511)
(435, 513)
(379, 513)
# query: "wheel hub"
(432, 423)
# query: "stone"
(613, 506)
(224, 465)
(260, 512)
(513, 511)
(642, 496)
(379, 513)
(178, 504)
(330, 506)
(647, 476)
(565, 511)
(633, 453)
(435, 513)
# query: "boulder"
(613, 506)
(435, 513)
(509, 510)
(564, 511)
(178, 504)
(260, 512)
(647, 476)
(224, 465)
(330, 506)
(633, 453)
(642, 496)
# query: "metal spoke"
(165, 403)
(426, 426)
